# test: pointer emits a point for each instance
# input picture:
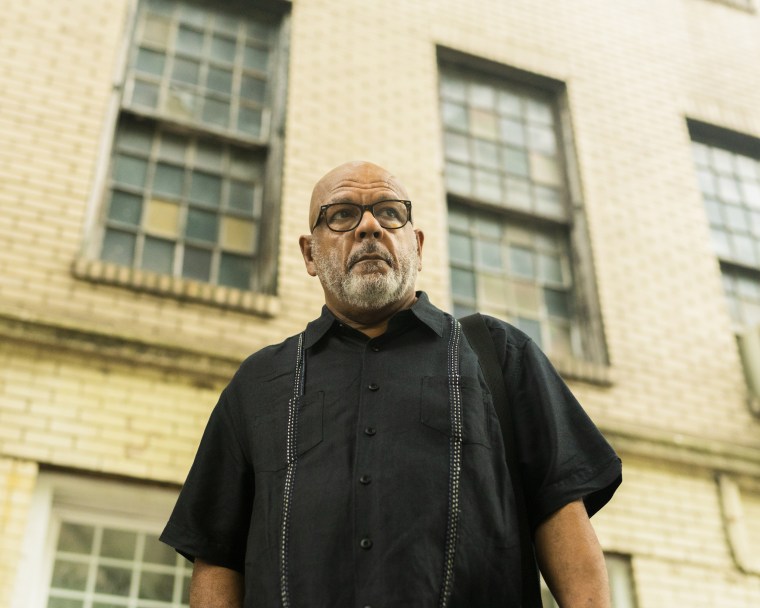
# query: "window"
(729, 179)
(621, 584)
(94, 544)
(109, 565)
(192, 186)
(509, 213)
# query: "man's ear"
(304, 242)
(420, 240)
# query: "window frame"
(89, 499)
(593, 365)
(262, 297)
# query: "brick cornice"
(200, 367)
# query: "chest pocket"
(435, 410)
(269, 442)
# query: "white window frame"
(124, 505)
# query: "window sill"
(228, 298)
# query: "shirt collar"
(422, 309)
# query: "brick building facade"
(589, 171)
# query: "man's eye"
(390, 213)
(342, 214)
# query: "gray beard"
(365, 291)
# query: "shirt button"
(365, 543)
(365, 479)
(370, 430)
(373, 387)
(375, 349)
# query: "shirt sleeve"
(563, 456)
(212, 514)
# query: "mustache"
(372, 249)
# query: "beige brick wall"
(363, 84)
(17, 478)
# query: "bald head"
(353, 177)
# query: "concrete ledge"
(200, 367)
(98, 271)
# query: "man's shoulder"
(504, 333)
(270, 361)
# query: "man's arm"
(571, 559)
(215, 586)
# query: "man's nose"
(368, 226)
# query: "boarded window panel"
(238, 234)
(162, 217)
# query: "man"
(327, 475)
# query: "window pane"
(522, 262)
(509, 103)
(557, 303)
(145, 94)
(223, 49)
(486, 154)
(125, 208)
(189, 41)
(235, 271)
(463, 283)
(530, 327)
(249, 121)
(216, 112)
(206, 188)
(150, 62)
(155, 586)
(70, 575)
(549, 201)
(241, 196)
(253, 89)
(460, 248)
(168, 180)
(118, 543)
(196, 264)
(136, 137)
(488, 186)
(118, 247)
(454, 115)
(182, 104)
(256, 58)
(130, 171)
(173, 147)
(209, 155)
(220, 80)
(156, 30)
(158, 255)
(489, 254)
(202, 225)
(113, 580)
(512, 132)
(458, 178)
(483, 124)
(517, 193)
(516, 161)
(186, 70)
(457, 147)
(75, 538)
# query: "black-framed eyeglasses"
(343, 217)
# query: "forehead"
(356, 182)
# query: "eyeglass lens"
(346, 216)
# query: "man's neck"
(372, 323)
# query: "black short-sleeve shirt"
(368, 487)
